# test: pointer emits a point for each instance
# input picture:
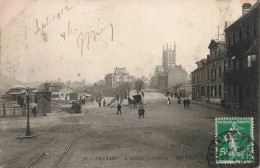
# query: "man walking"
(104, 103)
(169, 100)
(141, 112)
(188, 103)
(118, 109)
(142, 94)
(99, 102)
(184, 103)
(179, 100)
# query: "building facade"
(168, 75)
(241, 74)
(58, 91)
(215, 70)
(207, 79)
(198, 78)
(120, 76)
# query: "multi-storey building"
(175, 76)
(207, 79)
(199, 80)
(241, 74)
(120, 76)
(214, 71)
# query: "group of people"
(100, 103)
(186, 102)
(140, 111)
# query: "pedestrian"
(179, 100)
(142, 94)
(222, 102)
(188, 103)
(99, 102)
(169, 100)
(34, 111)
(184, 103)
(104, 103)
(129, 102)
(118, 109)
(141, 112)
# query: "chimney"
(245, 8)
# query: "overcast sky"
(139, 30)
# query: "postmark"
(233, 143)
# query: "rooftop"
(256, 5)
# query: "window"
(202, 91)
(234, 38)
(255, 28)
(219, 71)
(251, 60)
(249, 63)
(234, 90)
(215, 91)
(225, 66)
(229, 91)
(240, 35)
(234, 63)
(248, 91)
(228, 40)
(229, 64)
(219, 90)
(247, 31)
(215, 73)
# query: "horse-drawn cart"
(137, 100)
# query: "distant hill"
(6, 83)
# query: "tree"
(139, 85)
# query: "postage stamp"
(234, 140)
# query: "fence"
(11, 111)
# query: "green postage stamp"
(234, 140)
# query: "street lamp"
(28, 131)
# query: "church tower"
(169, 57)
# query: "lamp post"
(28, 131)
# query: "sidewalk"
(236, 112)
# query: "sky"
(127, 34)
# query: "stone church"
(168, 75)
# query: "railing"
(11, 111)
